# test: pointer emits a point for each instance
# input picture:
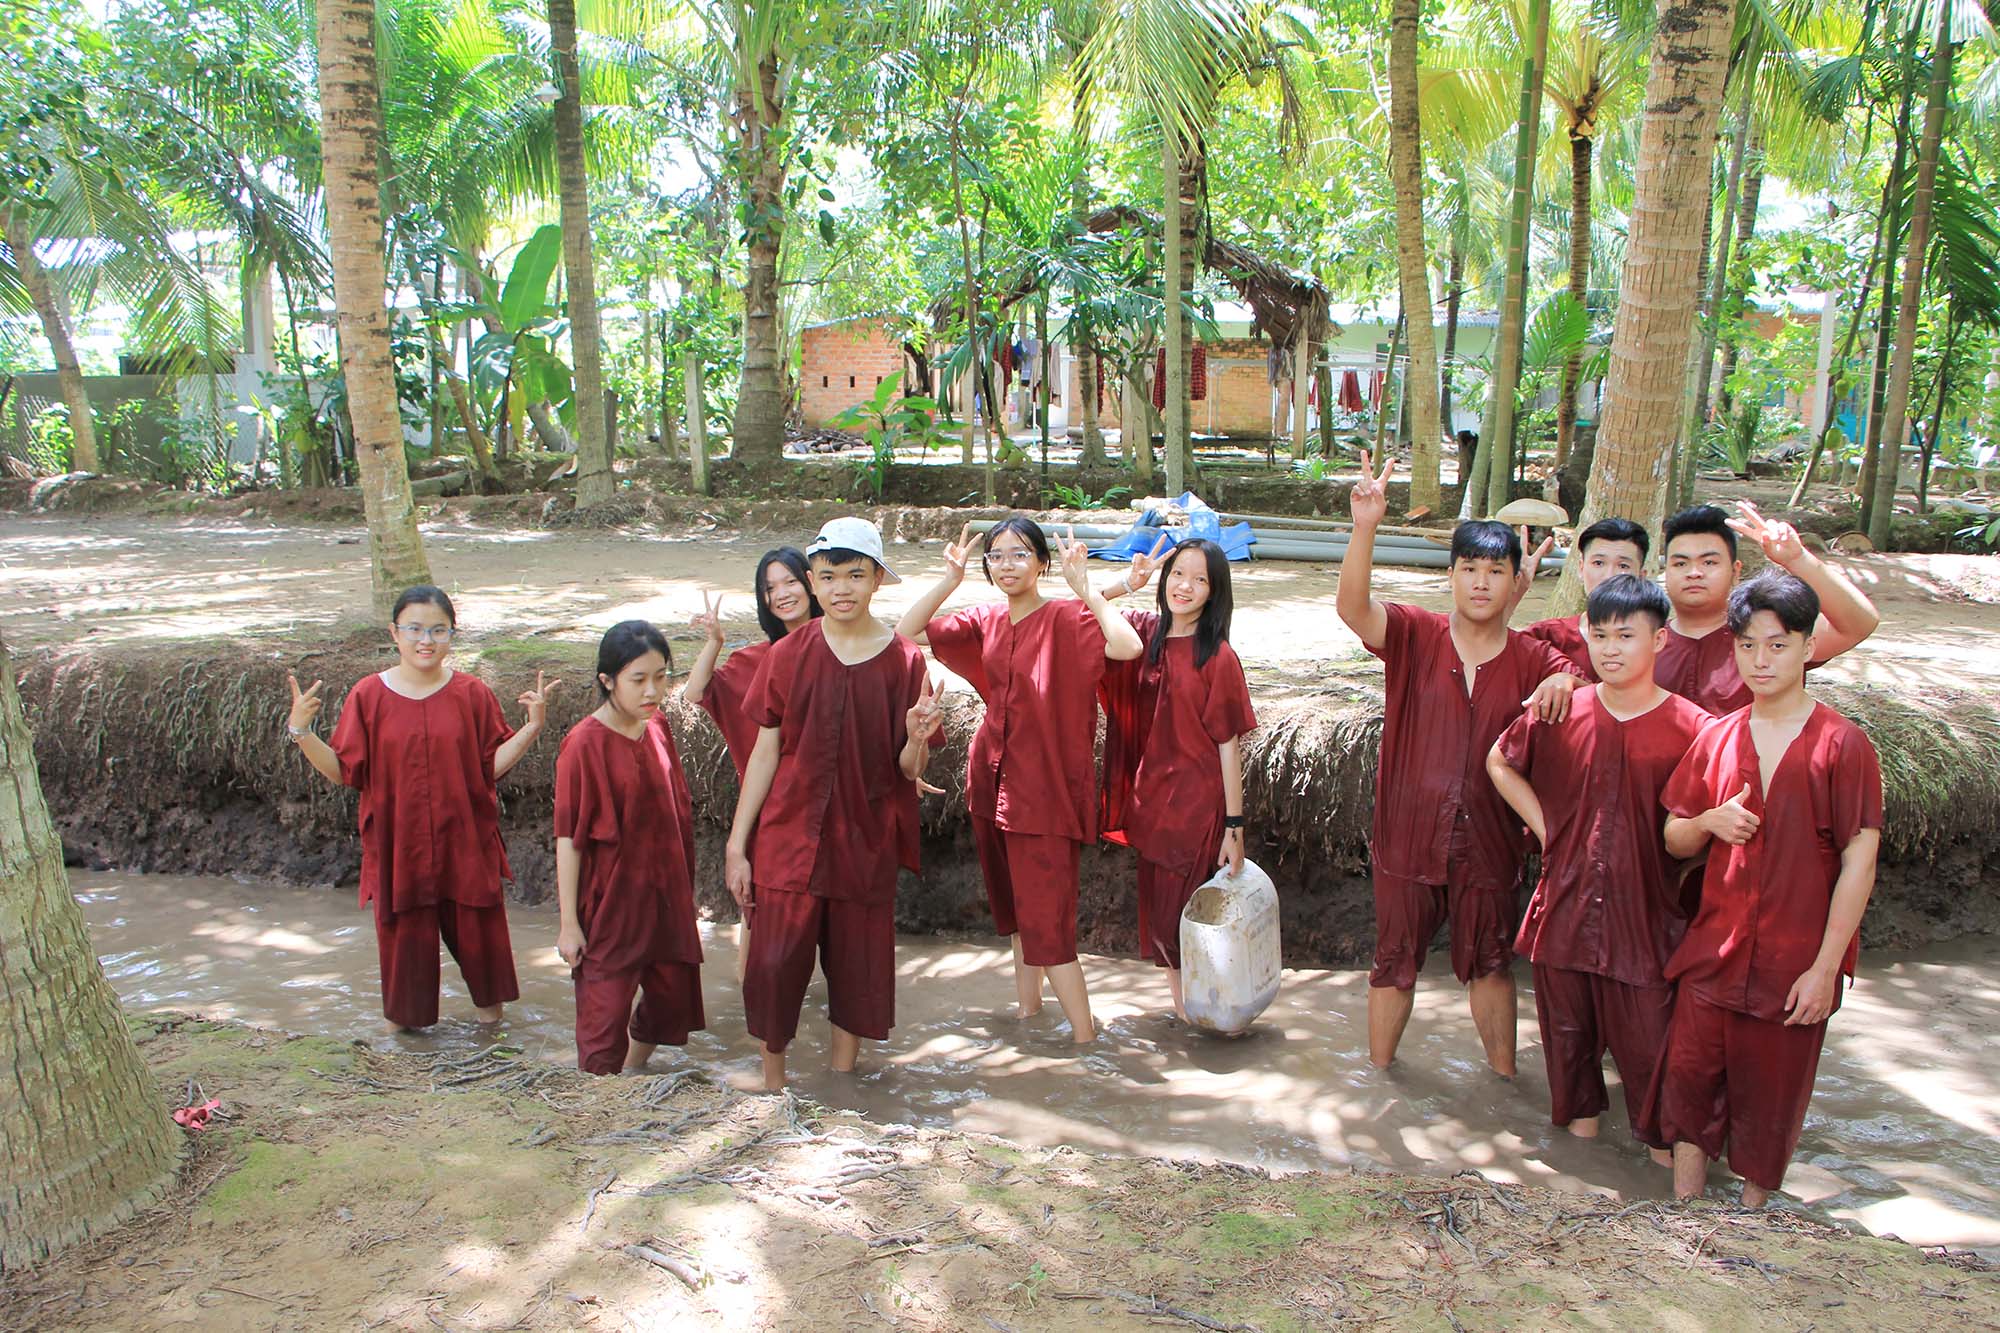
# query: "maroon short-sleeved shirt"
(1565, 635)
(1434, 804)
(1164, 721)
(1033, 763)
(625, 805)
(430, 819)
(1608, 901)
(1764, 904)
(1704, 670)
(839, 800)
(727, 701)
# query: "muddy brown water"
(1903, 1136)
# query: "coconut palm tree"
(1406, 165)
(594, 478)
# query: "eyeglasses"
(426, 633)
(1009, 559)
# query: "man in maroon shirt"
(1444, 845)
(1698, 661)
(846, 716)
(1786, 796)
(1607, 911)
(1607, 548)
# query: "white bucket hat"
(853, 534)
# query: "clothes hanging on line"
(1350, 391)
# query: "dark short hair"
(1786, 596)
(1485, 539)
(1211, 629)
(625, 643)
(423, 594)
(1626, 595)
(1704, 519)
(836, 556)
(794, 560)
(1615, 530)
(1029, 531)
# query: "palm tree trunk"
(1896, 410)
(351, 121)
(976, 343)
(1731, 333)
(1940, 390)
(759, 427)
(1581, 145)
(1454, 294)
(697, 421)
(1718, 273)
(1406, 167)
(1496, 434)
(69, 377)
(1687, 442)
(87, 1138)
(1087, 359)
(595, 479)
(1657, 288)
(1174, 395)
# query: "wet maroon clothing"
(1436, 810)
(406, 943)
(1704, 670)
(1582, 1015)
(430, 821)
(839, 791)
(727, 700)
(855, 945)
(1730, 1080)
(1163, 896)
(625, 805)
(1164, 722)
(1764, 905)
(1565, 635)
(1033, 763)
(669, 1009)
(1409, 913)
(1031, 889)
(1609, 898)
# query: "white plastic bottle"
(1230, 956)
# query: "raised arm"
(916, 621)
(536, 701)
(1368, 504)
(1812, 995)
(305, 709)
(709, 622)
(1531, 562)
(757, 775)
(1518, 793)
(921, 722)
(1846, 616)
(1141, 573)
(1121, 641)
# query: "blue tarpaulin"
(1234, 539)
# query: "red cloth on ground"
(1704, 670)
(430, 821)
(625, 805)
(1438, 817)
(839, 792)
(1032, 768)
(1764, 904)
(669, 1009)
(407, 944)
(1408, 914)
(1609, 899)
(1584, 1014)
(1162, 789)
(855, 942)
(1031, 889)
(1350, 392)
(1730, 1078)
(727, 701)
(1565, 636)
(1163, 896)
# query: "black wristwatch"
(1232, 821)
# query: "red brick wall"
(1241, 393)
(840, 365)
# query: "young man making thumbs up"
(1786, 797)
(846, 716)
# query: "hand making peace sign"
(957, 553)
(709, 622)
(1368, 502)
(1779, 539)
(1075, 563)
(922, 719)
(1144, 563)
(536, 701)
(305, 704)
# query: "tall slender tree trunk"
(1687, 442)
(1733, 306)
(595, 479)
(1088, 368)
(1940, 391)
(1896, 410)
(759, 427)
(86, 1135)
(1826, 422)
(1724, 236)
(1175, 394)
(1878, 384)
(1581, 145)
(1406, 167)
(1657, 288)
(972, 332)
(55, 327)
(697, 421)
(1454, 294)
(351, 125)
(1495, 462)
(447, 376)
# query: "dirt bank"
(349, 1186)
(171, 757)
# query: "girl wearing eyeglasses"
(1032, 776)
(424, 746)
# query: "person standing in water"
(1785, 796)
(846, 717)
(1173, 759)
(424, 746)
(783, 593)
(625, 863)
(1031, 776)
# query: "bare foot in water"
(489, 1014)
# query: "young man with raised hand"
(1607, 914)
(1699, 568)
(1785, 796)
(846, 715)
(1444, 846)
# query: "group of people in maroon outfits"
(1706, 831)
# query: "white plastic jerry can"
(1230, 959)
